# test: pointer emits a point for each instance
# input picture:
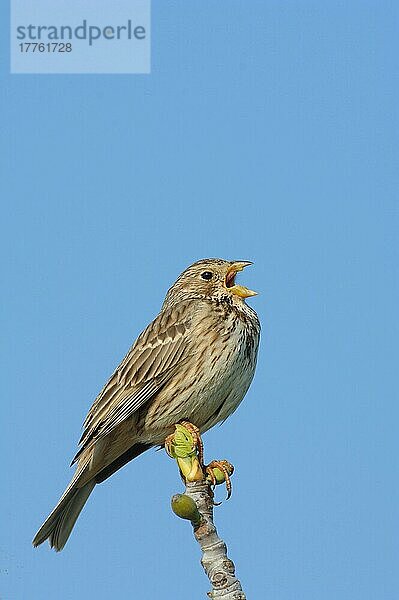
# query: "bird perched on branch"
(194, 362)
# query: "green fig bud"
(184, 507)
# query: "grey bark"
(219, 568)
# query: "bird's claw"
(219, 471)
(168, 444)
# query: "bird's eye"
(207, 275)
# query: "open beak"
(238, 290)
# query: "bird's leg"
(219, 471)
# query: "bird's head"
(212, 279)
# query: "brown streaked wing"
(154, 358)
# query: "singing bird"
(194, 362)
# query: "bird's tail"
(58, 525)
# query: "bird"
(194, 362)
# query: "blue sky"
(266, 131)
